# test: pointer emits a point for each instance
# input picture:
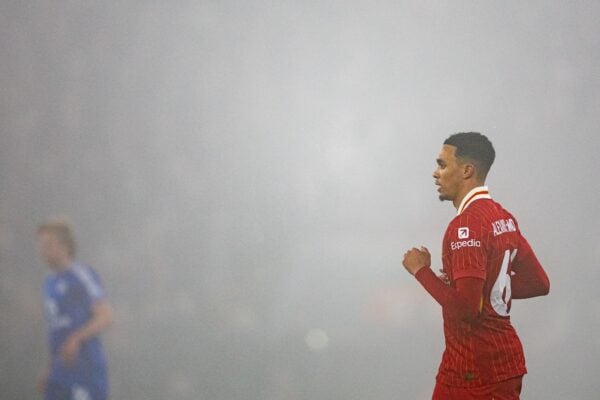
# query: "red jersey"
(483, 241)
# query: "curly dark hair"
(474, 147)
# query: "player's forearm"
(101, 319)
(530, 279)
(525, 286)
(464, 306)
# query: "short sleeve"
(468, 238)
(91, 283)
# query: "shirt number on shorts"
(501, 293)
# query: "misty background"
(246, 176)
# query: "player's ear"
(468, 170)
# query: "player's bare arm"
(100, 321)
(42, 379)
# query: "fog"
(246, 176)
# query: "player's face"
(448, 174)
(52, 250)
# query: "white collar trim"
(479, 192)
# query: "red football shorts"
(505, 390)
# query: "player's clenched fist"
(415, 259)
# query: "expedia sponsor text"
(465, 243)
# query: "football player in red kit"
(486, 264)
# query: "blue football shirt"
(68, 299)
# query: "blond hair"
(62, 229)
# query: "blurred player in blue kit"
(77, 311)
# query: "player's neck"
(464, 191)
(63, 264)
